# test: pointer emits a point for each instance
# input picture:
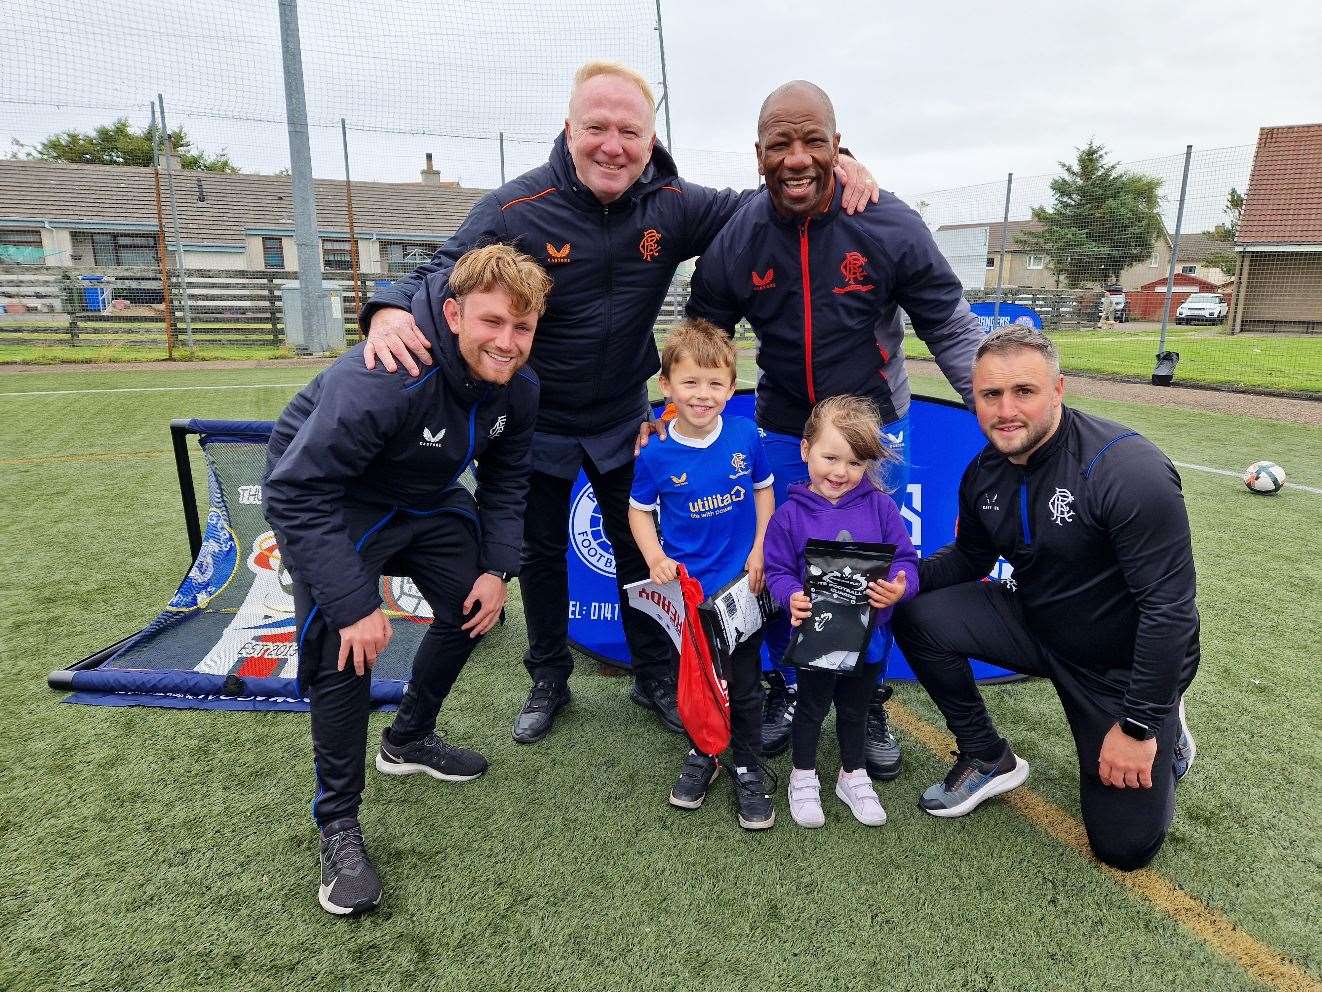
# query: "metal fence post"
(1000, 268)
(502, 158)
(178, 231)
(1175, 251)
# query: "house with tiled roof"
(1279, 240)
(95, 216)
(1194, 251)
(968, 246)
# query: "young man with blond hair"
(610, 219)
(362, 480)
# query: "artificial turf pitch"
(152, 849)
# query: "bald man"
(822, 289)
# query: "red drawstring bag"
(704, 701)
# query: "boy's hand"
(800, 608)
(665, 571)
(756, 571)
(882, 594)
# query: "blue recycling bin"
(96, 295)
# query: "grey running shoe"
(429, 756)
(349, 883)
(695, 778)
(882, 748)
(972, 781)
(1186, 748)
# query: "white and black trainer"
(429, 756)
(349, 883)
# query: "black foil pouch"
(836, 578)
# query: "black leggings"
(851, 694)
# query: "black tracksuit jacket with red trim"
(612, 264)
(822, 295)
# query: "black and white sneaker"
(429, 756)
(882, 748)
(972, 782)
(349, 883)
(659, 695)
(1186, 748)
(777, 714)
(756, 811)
(695, 778)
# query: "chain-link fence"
(411, 116)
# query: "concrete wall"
(1280, 292)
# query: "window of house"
(21, 247)
(991, 262)
(123, 249)
(1037, 261)
(1188, 270)
(405, 256)
(273, 253)
(335, 255)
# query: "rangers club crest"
(854, 268)
(1059, 506)
(650, 246)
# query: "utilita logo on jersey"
(1059, 505)
(707, 506)
(765, 281)
(430, 440)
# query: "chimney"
(430, 177)
(168, 160)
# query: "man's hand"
(756, 567)
(490, 592)
(647, 428)
(363, 642)
(859, 186)
(883, 593)
(1125, 763)
(394, 334)
(665, 570)
(800, 608)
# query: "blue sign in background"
(944, 437)
(1010, 313)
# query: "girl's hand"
(800, 608)
(882, 594)
(756, 571)
(665, 571)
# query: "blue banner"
(1010, 313)
(945, 437)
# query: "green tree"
(1224, 258)
(120, 144)
(1101, 221)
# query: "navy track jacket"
(612, 265)
(1096, 529)
(821, 294)
(355, 447)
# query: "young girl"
(840, 502)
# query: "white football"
(1265, 478)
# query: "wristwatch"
(503, 576)
(1136, 730)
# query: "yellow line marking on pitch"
(1214, 928)
(101, 456)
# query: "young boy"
(711, 482)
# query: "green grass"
(1208, 356)
(150, 849)
(101, 352)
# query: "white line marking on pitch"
(1238, 475)
(155, 389)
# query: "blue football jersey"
(704, 489)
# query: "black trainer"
(882, 750)
(695, 778)
(349, 883)
(756, 811)
(546, 699)
(659, 695)
(429, 756)
(777, 714)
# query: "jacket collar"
(660, 170)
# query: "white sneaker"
(855, 791)
(806, 798)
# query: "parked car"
(1202, 308)
(1117, 295)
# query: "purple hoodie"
(865, 513)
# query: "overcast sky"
(932, 96)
